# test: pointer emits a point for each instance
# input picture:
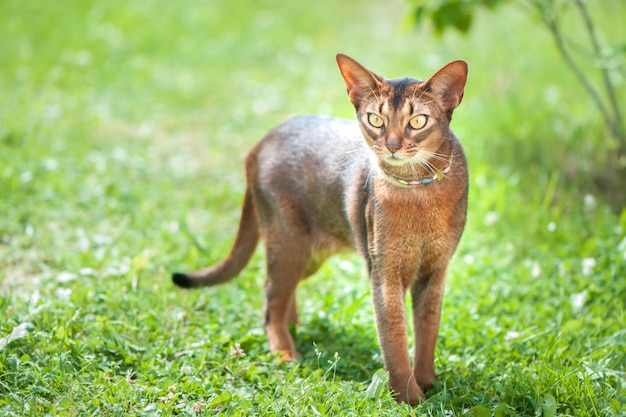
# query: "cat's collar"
(438, 175)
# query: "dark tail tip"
(182, 280)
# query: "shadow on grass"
(356, 346)
(322, 340)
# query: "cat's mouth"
(396, 160)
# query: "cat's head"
(405, 121)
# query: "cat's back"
(307, 133)
(310, 148)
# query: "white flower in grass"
(622, 247)
(66, 277)
(590, 202)
(588, 265)
(491, 218)
(536, 270)
(512, 335)
(578, 300)
(63, 294)
(197, 407)
(236, 351)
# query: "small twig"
(617, 127)
(556, 34)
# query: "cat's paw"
(407, 391)
(287, 356)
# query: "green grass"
(123, 126)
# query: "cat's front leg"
(388, 294)
(426, 295)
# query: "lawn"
(123, 128)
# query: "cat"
(393, 185)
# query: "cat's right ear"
(448, 84)
(360, 82)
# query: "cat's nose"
(393, 142)
(393, 146)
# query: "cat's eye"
(418, 122)
(375, 120)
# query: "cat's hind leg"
(312, 266)
(287, 257)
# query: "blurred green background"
(123, 128)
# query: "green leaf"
(549, 406)
(378, 386)
(480, 411)
(615, 405)
(452, 14)
(503, 410)
(419, 14)
(65, 403)
(224, 397)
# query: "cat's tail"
(241, 252)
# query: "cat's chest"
(418, 213)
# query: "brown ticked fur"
(319, 185)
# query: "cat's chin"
(399, 166)
(392, 161)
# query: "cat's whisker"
(424, 162)
(369, 177)
(372, 102)
(422, 92)
(355, 152)
(429, 167)
(375, 93)
(354, 156)
(436, 157)
(412, 163)
(435, 153)
(350, 161)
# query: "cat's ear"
(448, 84)
(360, 81)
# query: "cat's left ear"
(360, 81)
(448, 84)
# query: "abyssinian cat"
(392, 185)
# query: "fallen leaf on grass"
(18, 332)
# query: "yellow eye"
(375, 120)
(418, 122)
